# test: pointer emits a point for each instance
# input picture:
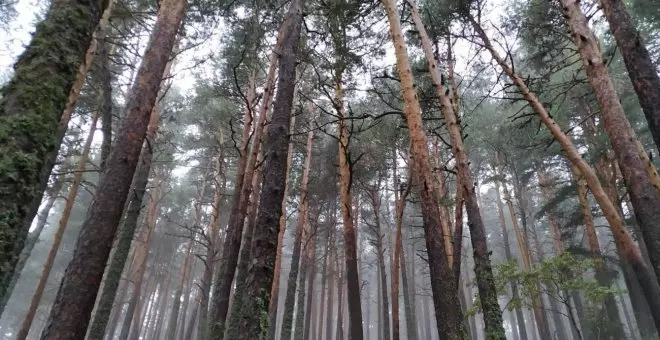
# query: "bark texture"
(445, 297)
(253, 320)
(77, 294)
(31, 110)
(484, 274)
(642, 72)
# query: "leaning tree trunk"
(289, 302)
(449, 318)
(626, 246)
(253, 309)
(642, 72)
(59, 233)
(31, 109)
(400, 201)
(484, 274)
(126, 234)
(75, 299)
(633, 162)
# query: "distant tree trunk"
(253, 322)
(633, 162)
(485, 281)
(33, 237)
(141, 256)
(190, 327)
(75, 299)
(308, 269)
(447, 307)
(126, 234)
(59, 233)
(291, 287)
(332, 266)
(106, 93)
(400, 194)
(520, 327)
(275, 289)
(33, 120)
(642, 72)
(523, 247)
(324, 283)
(211, 255)
(383, 309)
(339, 333)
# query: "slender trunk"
(411, 329)
(626, 247)
(447, 306)
(243, 187)
(379, 302)
(400, 200)
(126, 234)
(304, 314)
(339, 334)
(106, 93)
(324, 282)
(275, 290)
(384, 311)
(350, 234)
(33, 117)
(75, 299)
(190, 327)
(140, 260)
(642, 73)
(291, 288)
(485, 281)
(211, 255)
(59, 233)
(331, 291)
(253, 322)
(117, 310)
(638, 173)
(520, 327)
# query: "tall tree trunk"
(211, 255)
(308, 274)
(140, 260)
(400, 194)
(384, 310)
(332, 266)
(275, 289)
(59, 233)
(324, 283)
(339, 333)
(626, 247)
(520, 327)
(253, 322)
(642, 72)
(245, 172)
(447, 307)
(75, 299)
(291, 288)
(633, 162)
(33, 120)
(126, 234)
(485, 281)
(106, 94)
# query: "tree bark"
(126, 234)
(339, 334)
(308, 273)
(291, 288)
(77, 294)
(253, 320)
(485, 281)
(32, 119)
(642, 72)
(626, 247)
(633, 162)
(59, 233)
(275, 290)
(447, 307)
(324, 283)
(400, 200)
(331, 290)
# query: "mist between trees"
(304, 169)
